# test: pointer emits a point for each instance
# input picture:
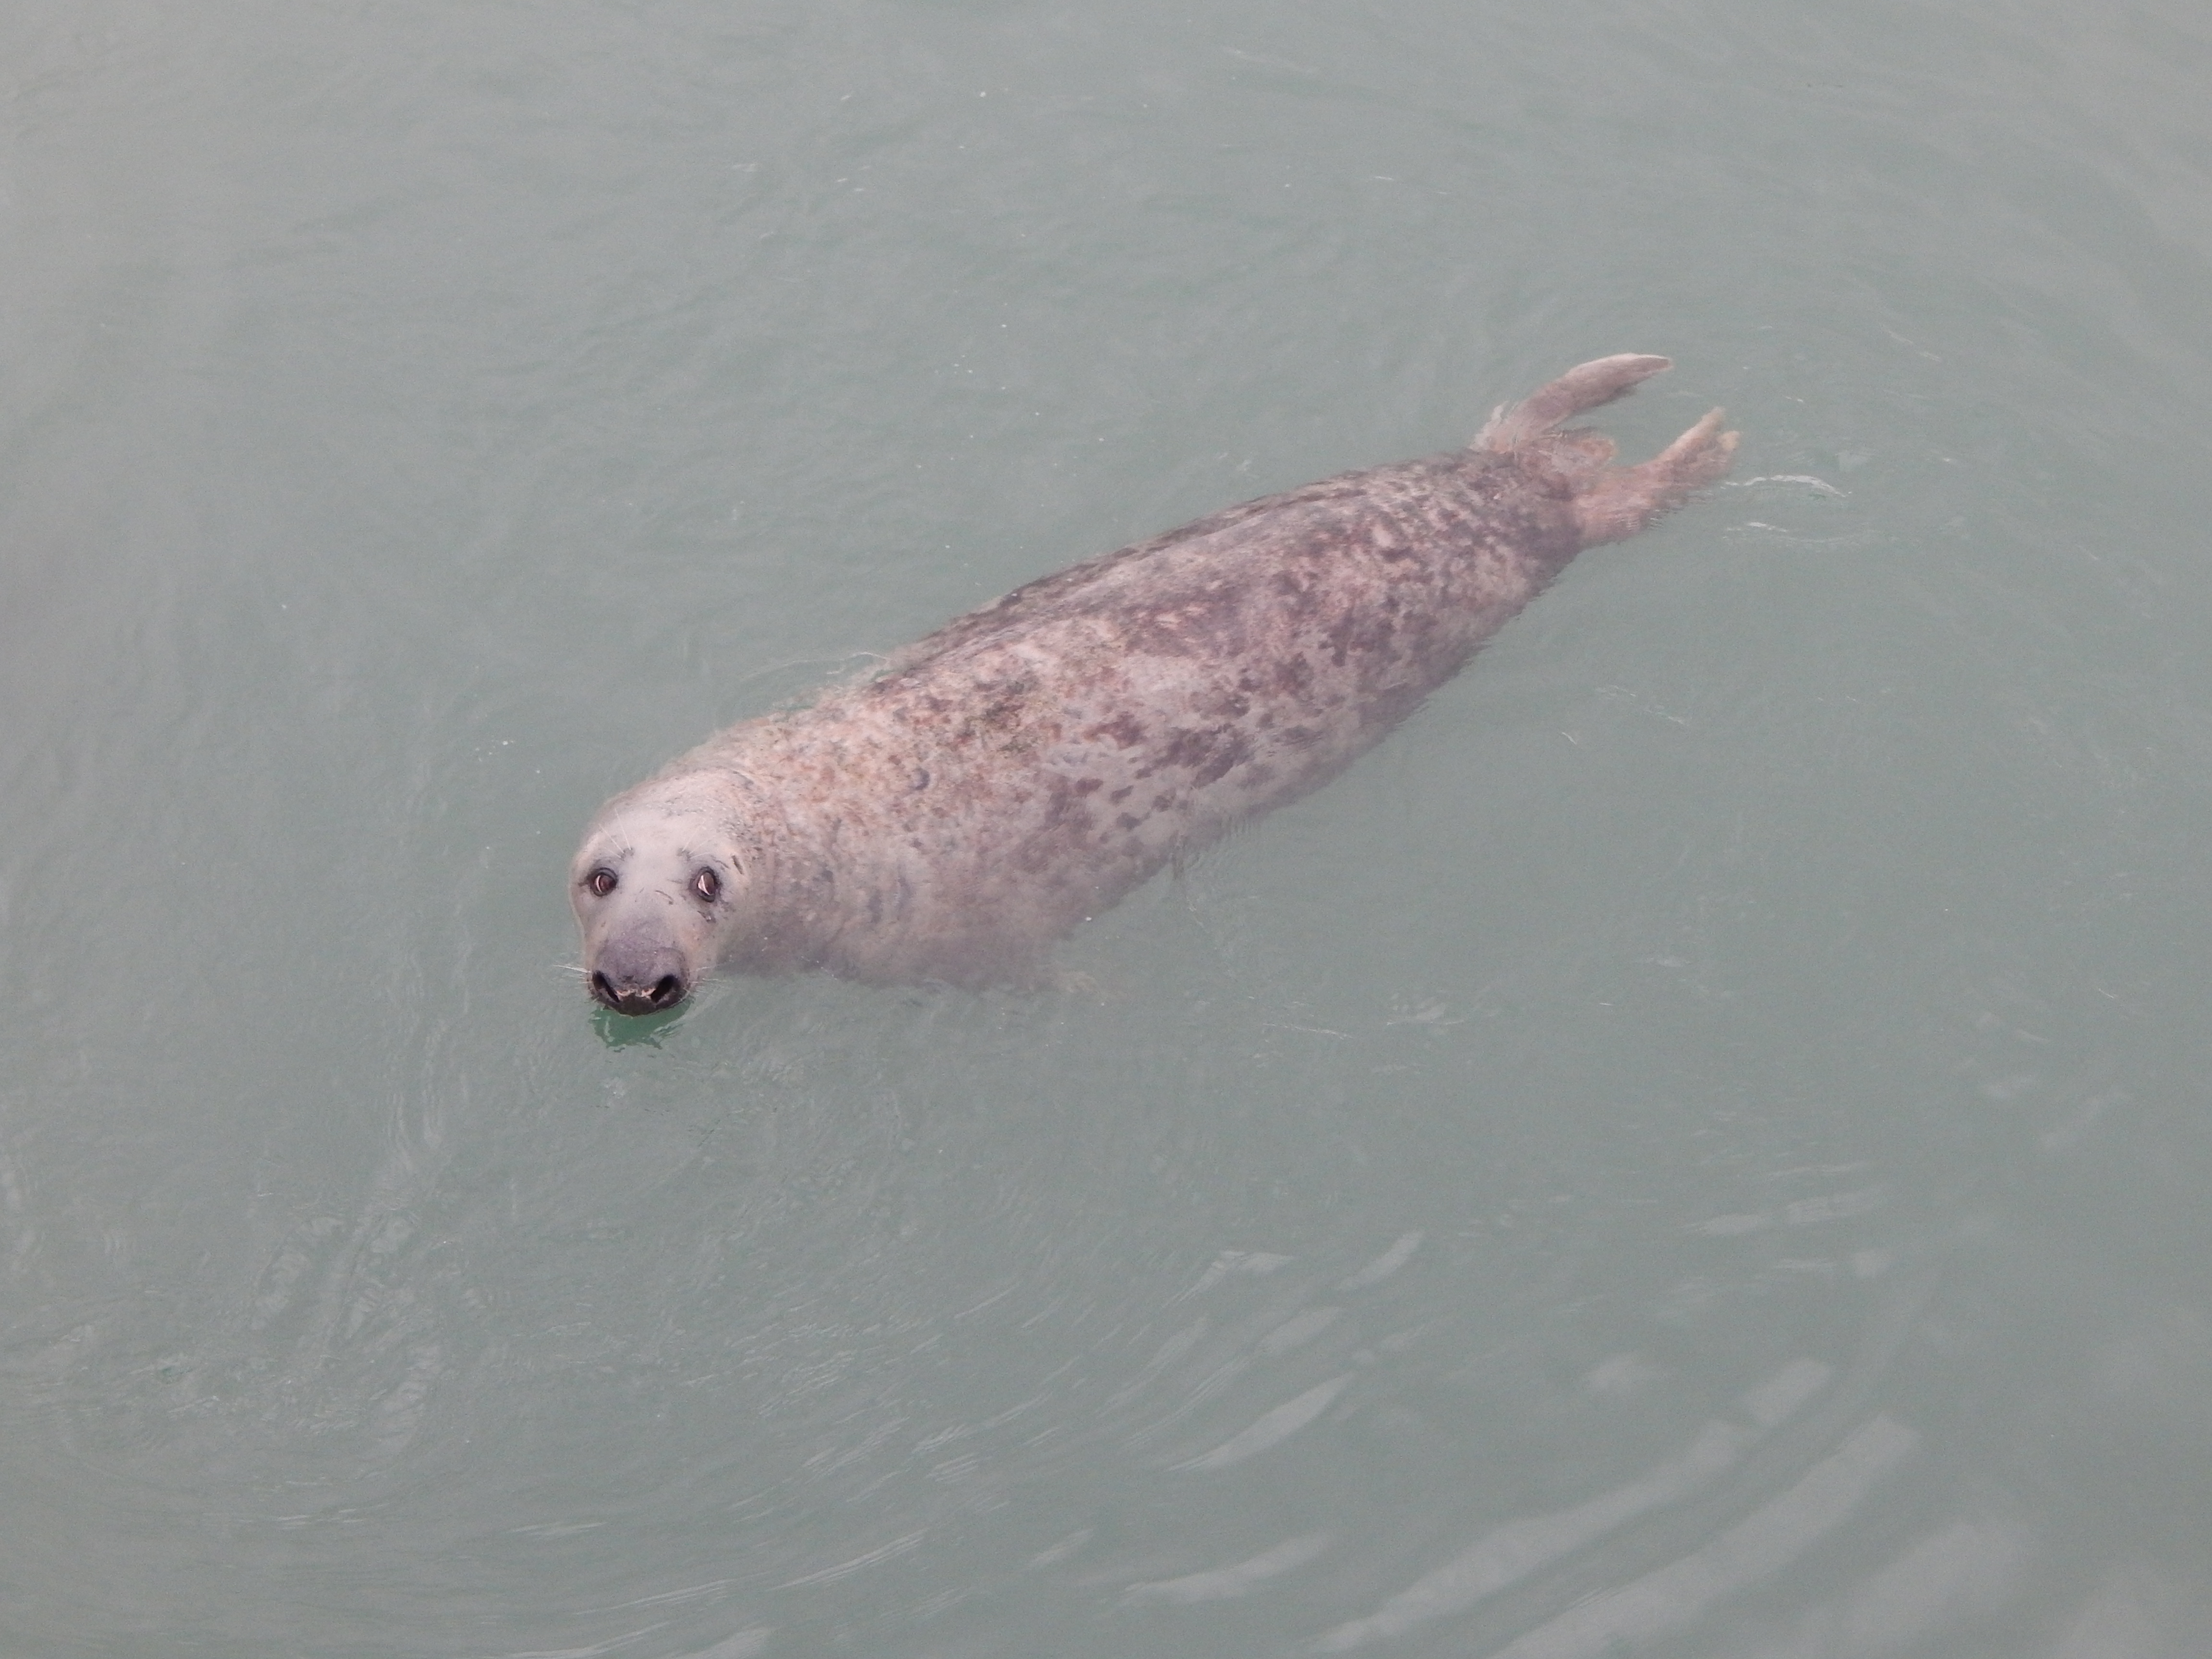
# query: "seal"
(951, 817)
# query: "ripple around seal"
(1754, 1549)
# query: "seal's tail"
(1611, 503)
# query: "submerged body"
(1026, 765)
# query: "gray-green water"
(1696, 1147)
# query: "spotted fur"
(1029, 763)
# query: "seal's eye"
(707, 886)
(601, 881)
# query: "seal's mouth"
(663, 994)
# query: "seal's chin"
(640, 976)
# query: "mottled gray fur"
(1026, 765)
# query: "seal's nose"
(639, 978)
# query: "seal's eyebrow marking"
(952, 811)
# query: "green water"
(1696, 1147)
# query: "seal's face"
(652, 888)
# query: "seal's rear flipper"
(1587, 386)
(1611, 504)
(1617, 503)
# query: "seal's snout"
(640, 979)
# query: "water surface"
(1698, 1146)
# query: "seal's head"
(657, 886)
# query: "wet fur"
(1029, 763)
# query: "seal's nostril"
(667, 990)
(605, 990)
